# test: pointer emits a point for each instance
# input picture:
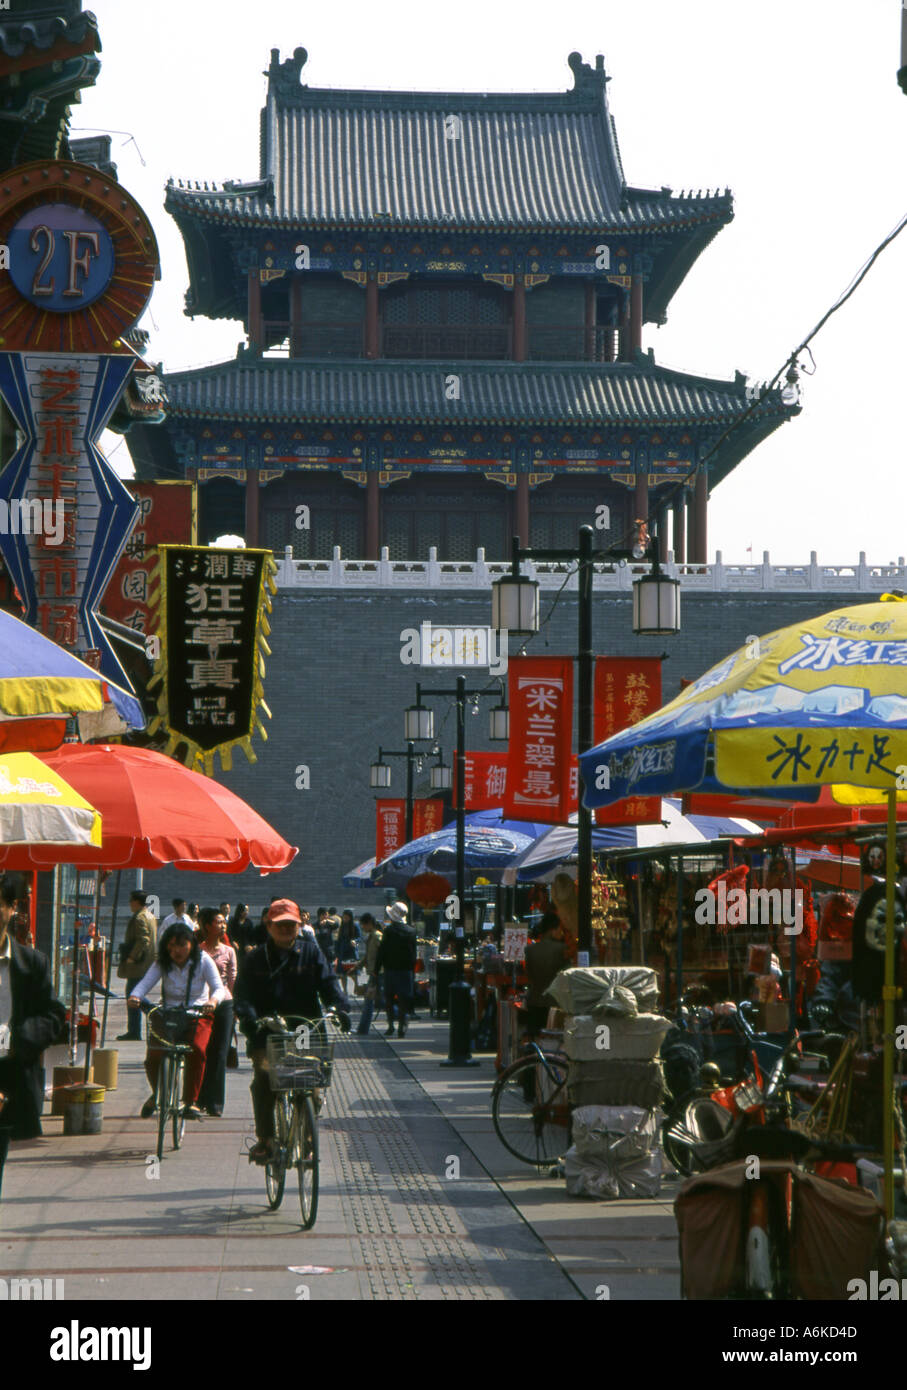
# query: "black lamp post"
(380, 778)
(459, 1053)
(656, 612)
(902, 70)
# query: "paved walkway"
(418, 1200)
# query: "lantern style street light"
(418, 722)
(656, 611)
(380, 777)
(499, 717)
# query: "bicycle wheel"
(307, 1160)
(163, 1102)
(530, 1110)
(276, 1170)
(177, 1068)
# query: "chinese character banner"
(213, 606)
(166, 515)
(69, 515)
(627, 688)
(390, 828)
(485, 781)
(428, 816)
(541, 738)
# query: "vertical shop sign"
(541, 737)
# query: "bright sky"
(793, 104)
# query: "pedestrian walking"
(397, 958)
(179, 914)
(32, 1018)
(136, 957)
(545, 958)
(345, 947)
(369, 928)
(213, 940)
(324, 933)
(188, 978)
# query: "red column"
(372, 516)
(371, 316)
(700, 503)
(519, 321)
(256, 328)
(635, 344)
(692, 548)
(252, 502)
(680, 540)
(522, 508)
(589, 345)
(296, 318)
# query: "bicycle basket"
(297, 1064)
(169, 1026)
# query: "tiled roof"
(283, 389)
(28, 25)
(534, 161)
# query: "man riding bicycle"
(288, 975)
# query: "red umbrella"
(156, 812)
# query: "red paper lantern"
(428, 890)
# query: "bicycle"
(530, 1109)
(169, 1090)
(300, 1066)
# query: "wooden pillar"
(641, 495)
(256, 328)
(521, 516)
(372, 516)
(296, 317)
(700, 506)
(371, 317)
(623, 333)
(692, 548)
(589, 345)
(679, 536)
(252, 503)
(635, 339)
(663, 534)
(520, 345)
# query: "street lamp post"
(381, 778)
(656, 611)
(458, 1009)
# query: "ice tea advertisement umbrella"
(38, 808)
(819, 703)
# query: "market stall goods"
(588, 1039)
(614, 1153)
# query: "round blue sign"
(60, 257)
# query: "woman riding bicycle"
(288, 975)
(188, 979)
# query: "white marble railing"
(859, 578)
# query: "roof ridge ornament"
(585, 77)
(285, 78)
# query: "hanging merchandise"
(868, 966)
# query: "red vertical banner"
(627, 688)
(166, 517)
(485, 780)
(428, 816)
(390, 830)
(541, 738)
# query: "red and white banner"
(486, 781)
(390, 831)
(428, 816)
(166, 517)
(627, 688)
(541, 738)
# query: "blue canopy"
(491, 844)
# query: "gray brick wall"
(337, 689)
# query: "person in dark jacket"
(288, 976)
(397, 958)
(31, 1019)
(545, 958)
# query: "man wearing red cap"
(288, 975)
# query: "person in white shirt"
(188, 978)
(179, 914)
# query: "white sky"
(793, 104)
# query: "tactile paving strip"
(413, 1242)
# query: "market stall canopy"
(361, 876)
(38, 808)
(491, 844)
(41, 686)
(675, 831)
(157, 812)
